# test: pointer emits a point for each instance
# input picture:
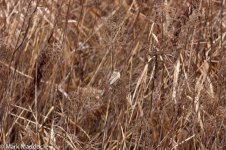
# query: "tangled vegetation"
(113, 74)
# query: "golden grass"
(120, 74)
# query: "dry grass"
(104, 74)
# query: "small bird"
(114, 77)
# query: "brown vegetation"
(104, 74)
